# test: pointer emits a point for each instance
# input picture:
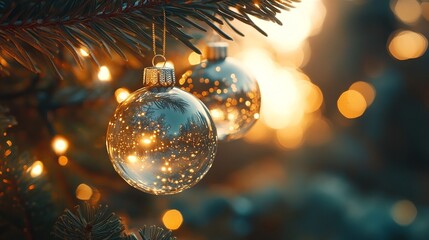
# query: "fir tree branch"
(35, 28)
(26, 207)
(6, 121)
(155, 233)
(89, 223)
(95, 223)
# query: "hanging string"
(164, 35)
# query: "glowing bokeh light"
(318, 131)
(121, 94)
(172, 219)
(132, 158)
(194, 58)
(59, 144)
(305, 20)
(83, 192)
(312, 95)
(36, 169)
(289, 98)
(425, 10)
(282, 103)
(366, 89)
(287, 94)
(406, 45)
(104, 74)
(408, 11)
(63, 160)
(291, 137)
(351, 104)
(259, 133)
(404, 212)
(217, 114)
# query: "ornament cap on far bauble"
(216, 51)
(227, 89)
(161, 140)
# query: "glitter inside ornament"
(161, 139)
(230, 93)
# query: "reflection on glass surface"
(232, 96)
(161, 140)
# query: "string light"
(104, 74)
(63, 160)
(172, 219)
(351, 104)
(121, 94)
(83, 192)
(366, 89)
(404, 212)
(36, 169)
(425, 10)
(291, 137)
(408, 11)
(194, 58)
(60, 144)
(406, 45)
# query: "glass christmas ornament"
(229, 92)
(161, 139)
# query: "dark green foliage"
(155, 233)
(35, 32)
(5, 120)
(89, 222)
(95, 223)
(26, 207)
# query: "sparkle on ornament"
(217, 114)
(132, 159)
(146, 141)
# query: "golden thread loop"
(156, 56)
(164, 36)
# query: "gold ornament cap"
(158, 77)
(216, 51)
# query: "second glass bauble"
(230, 93)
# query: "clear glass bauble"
(230, 93)
(161, 140)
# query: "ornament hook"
(158, 56)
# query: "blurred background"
(341, 150)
